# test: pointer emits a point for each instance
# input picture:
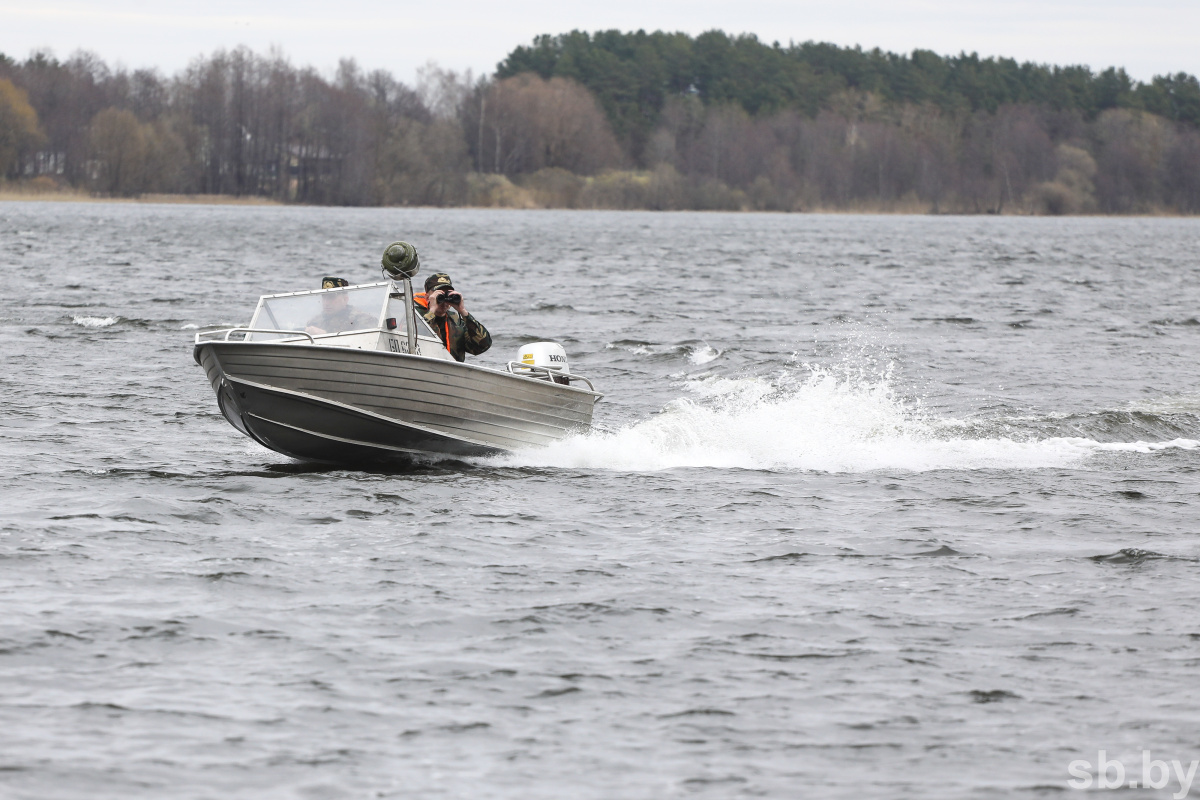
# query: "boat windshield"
(329, 311)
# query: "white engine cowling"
(545, 354)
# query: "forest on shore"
(616, 120)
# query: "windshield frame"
(264, 306)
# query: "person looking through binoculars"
(445, 312)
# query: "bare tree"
(536, 123)
(117, 145)
(443, 92)
(20, 135)
(1181, 180)
(1129, 148)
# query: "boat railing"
(211, 336)
(524, 370)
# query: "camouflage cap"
(333, 283)
(438, 280)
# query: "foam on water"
(817, 421)
(95, 322)
(1188, 403)
(635, 349)
(703, 355)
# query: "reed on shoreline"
(18, 191)
(507, 195)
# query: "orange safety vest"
(423, 302)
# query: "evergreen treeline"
(634, 74)
(624, 120)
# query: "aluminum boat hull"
(350, 406)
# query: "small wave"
(703, 355)
(191, 326)
(1189, 322)
(630, 346)
(944, 550)
(696, 352)
(1134, 556)
(1172, 421)
(95, 322)
(1187, 405)
(993, 696)
(1144, 447)
(820, 422)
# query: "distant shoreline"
(613, 120)
(9, 195)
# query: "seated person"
(336, 313)
(443, 309)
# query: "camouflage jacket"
(461, 335)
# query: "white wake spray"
(818, 422)
(95, 322)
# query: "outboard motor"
(549, 355)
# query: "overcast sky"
(1149, 38)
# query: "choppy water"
(877, 506)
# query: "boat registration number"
(397, 345)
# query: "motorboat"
(386, 388)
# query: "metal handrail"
(228, 331)
(548, 373)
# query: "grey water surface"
(875, 506)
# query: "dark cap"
(438, 280)
(333, 283)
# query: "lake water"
(875, 506)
